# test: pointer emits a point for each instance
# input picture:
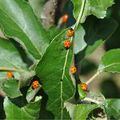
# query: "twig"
(93, 77)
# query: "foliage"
(58, 91)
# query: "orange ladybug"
(73, 69)
(35, 84)
(67, 44)
(70, 32)
(84, 86)
(64, 18)
(10, 74)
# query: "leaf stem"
(80, 14)
(77, 79)
(93, 77)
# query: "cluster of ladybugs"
(67, 45)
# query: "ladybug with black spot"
(35, 84)
(84, 86)
(67, 44)
(73, 69)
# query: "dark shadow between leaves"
(110, 89)
(2, 112)
(96, 113)
(22, 52)
(44, 113)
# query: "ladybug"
(64, 18)
(35, 84)
(67, 44)
(84, 86)
(73, 69)
(70, 32)
(10, 74)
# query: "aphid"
(73, 69)
(10, 74)
(67, 44)
(35, 84)
(84, 86)
(70, 32)
(64, 18)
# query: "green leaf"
(79, 42)
(113, 107)
(110, 62)
(37, 6)
(53, 31)
(19, 22)
(79, 111)
(82, 111)
(97, 32)
(29, 112)
(10, 58)
(11, 88)
(97, 8)
(70, 108)
(53, 70)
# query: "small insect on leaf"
(67, 44)
(70, 32)
(73, 69)
(64, 18)
(35, 84)
(84, 86)
(10, 74)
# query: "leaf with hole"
(79, 111)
